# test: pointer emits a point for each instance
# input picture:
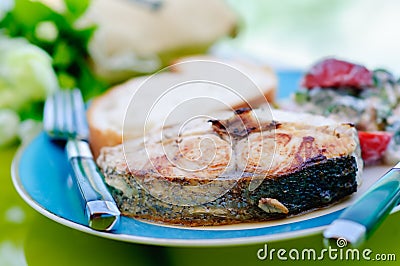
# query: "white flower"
(5, 6)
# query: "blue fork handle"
(361, 219)
(100, 208)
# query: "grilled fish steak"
(245, 168)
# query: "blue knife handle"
(100, 208)
(361, 219)
(371, 209)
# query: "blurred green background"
(294, 33)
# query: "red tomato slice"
(373, 145)
(337, 73)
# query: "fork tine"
(64, 115)
(59, 115)
(80, 123)
(68, 114)
(53, 119)
(49, 116)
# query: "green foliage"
(52, 53)
(76, 7)
(68, 48)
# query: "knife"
(358, 221)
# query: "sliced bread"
(194, 86)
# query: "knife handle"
(100, 208)
(360, 219)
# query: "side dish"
(347, 92)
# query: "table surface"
(28, 238)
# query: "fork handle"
(101, 210)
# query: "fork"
(64, 121)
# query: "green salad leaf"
(76, 8)
(41, 50)
(57, 34)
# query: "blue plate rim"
(304, 229)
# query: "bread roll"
(194, 86)
(137, 37)
(132, 37)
